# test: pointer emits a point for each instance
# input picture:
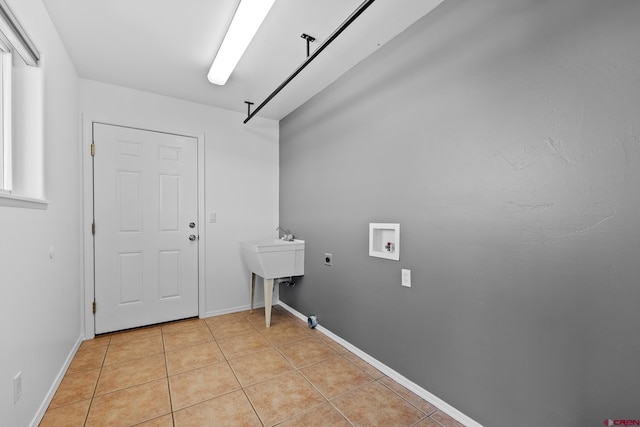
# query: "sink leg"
(253, 291)
(268, 296)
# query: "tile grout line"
(341, 413)
(295, 369)
(226, 360)
(166, 371)
(327, 400)
(255, 411)
(242, 388)
(95, 387)
(407, 401)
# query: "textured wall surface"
(504, 137)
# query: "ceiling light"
(245, 24)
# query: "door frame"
(87, 291)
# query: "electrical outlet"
(406, 278)
(328, 260)
(17, 387)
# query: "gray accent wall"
(504, 137)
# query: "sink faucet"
(287, 235)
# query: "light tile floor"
(230, 371)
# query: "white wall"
(241, 175)
(40, 304)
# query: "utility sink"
(272, 259)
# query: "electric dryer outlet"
(328, 260)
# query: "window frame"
(13, 40)
(5, 118)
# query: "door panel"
(129, 277)
(145, 196)
(129, 195)
(169, 262)
(169, 202)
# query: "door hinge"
(93, 228)
(93, 149)
(94, 307)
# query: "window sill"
(13, 201)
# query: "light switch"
(212, 217)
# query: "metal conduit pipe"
(315, 53)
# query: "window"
(5, 117)
(17, 56)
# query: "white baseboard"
(54, 387)
(232, 310)
(400, 379)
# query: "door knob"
(192, 237)
(192, 225)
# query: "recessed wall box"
(384, 240)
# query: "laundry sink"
(274, 258)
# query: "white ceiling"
(167, 46)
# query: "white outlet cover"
(17, 387)
(406, 278)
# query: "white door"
(146, 231)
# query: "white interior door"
(146, 230)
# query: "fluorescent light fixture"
(245, 24)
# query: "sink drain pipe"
(286, 281)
